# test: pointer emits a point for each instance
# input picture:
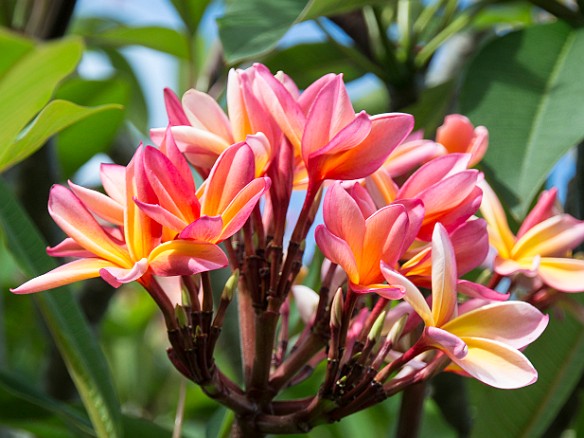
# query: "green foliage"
(558, 356)
(79, 348)
(526, 87)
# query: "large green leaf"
(558, 357)
(23, 390)
(251, 28)
(305, 63)
(526, 88)
(13, 47)
(28, 84)
(158, 38)
(191, 12)
(76, 342)
(56, 116)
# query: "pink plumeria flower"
(483, 342)
(118, 257)
(203, 131)
(220, 207)
(446, 187)
(333, 141)
(457, 134)
(542, 245)
(357, 237)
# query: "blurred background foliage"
(81, 84)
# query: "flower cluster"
(400, 229)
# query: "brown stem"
(410, 414)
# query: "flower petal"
(68, 273)
(451, 344)
(443, 277)
(515, 323)
(500, 235)
(117, 276)
(566, 275)
(204, 229)
(184, 257)
(389, 292)
(204, 112)
(100, 204)
(337, 251)
(496, 364)
(412, 294)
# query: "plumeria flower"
(333, 141)
(542, 245)
(446, 187)
(483, 342)
(118, 256)
(220, 207)
(203, 131)
(357, 237)
(457, 134)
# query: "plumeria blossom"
(203, 131)
(334, 142)
(446, 187)
(118, 256)
(357, 237)
(223, 204)
(483, 342)
(542, 245)
(457, 134)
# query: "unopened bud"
(230, 286)
(377, 327)
(181, 315)
(337, 309)
(396, 330)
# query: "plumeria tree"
(397, 274)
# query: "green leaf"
(191, 12)
(74, 338)
(13, 47)
(25, 391)
(57, 115)
(558, 356)
(526, 88)
(247, 33)
(305, 63)
(29, 83)
(80, 142)
(158, 38)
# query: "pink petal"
(281, 105)
(566, 275)
(433, 172)
(451, 344)
(117, 276)
(204, 112)
(204, 229)
(69, 248)
(363, 199)
(231, 173)
(389, 292)
(331, 112)
(443, 277)
(184, 257)
(500, 235)
(381, 187)
(552, 237)
(515, 323)
(476, 290)
(456, 134)
(77, 222)
(496, 364)
(242, 205)
(544, 209)
(162, 216)
(471, 245)
(174, 109)
(100, 204)
(71, 272)
(113, 179)
(343, 218)
(410, 155)
(337, 251)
